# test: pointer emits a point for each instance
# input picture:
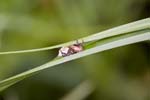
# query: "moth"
(69, 50)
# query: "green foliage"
(114, 38)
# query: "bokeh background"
(119, 74)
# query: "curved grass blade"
(123, 29)
(120, 30)
(106, 45)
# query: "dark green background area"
(119, 74)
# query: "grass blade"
(120, 30)
(113, 39)
(106, 46)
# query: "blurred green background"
(119, 74)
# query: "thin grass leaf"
(125, 41)
(101, 45)
(123, 29)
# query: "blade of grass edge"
(106, 46)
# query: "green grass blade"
(122, 41)
(120, 30)
(123, 29)
(123, 35)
